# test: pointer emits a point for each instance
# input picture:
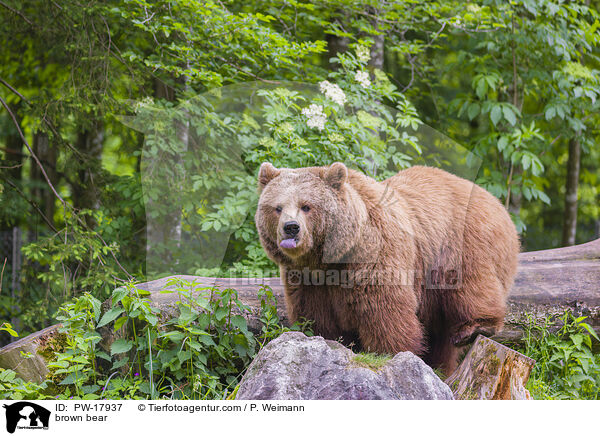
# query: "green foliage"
(199, 354)
(13, 388)
(289, 125)
(271, 325)
(566, 366)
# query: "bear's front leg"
(389, 323)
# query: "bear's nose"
(291, 228)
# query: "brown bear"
(421, 262)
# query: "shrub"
(199, 354)
(566, 367)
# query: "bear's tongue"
(288, 243)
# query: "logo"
(26, 415)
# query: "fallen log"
(491, 371)
(548, 282)
(26, 357)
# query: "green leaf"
(174, 335)
(221, 312)
(186, 315)
(239, 322)
(118, 294)
(481, 88)
(119, 363)
(526, 161)
(152, 319)
(103, 355)
(110, 316)
(184, 355)
(509, 115)
(207, 340)
(96, 307)
(590, 330)
(473, 110)
(542, 196)
(120, 322)
(502, 143)
(120, 346)
(496, 114)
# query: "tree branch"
(37, 161)
(22, 194)
(15, 11)
(56, 194)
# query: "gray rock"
(296, 367)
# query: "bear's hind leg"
(478, 308)
(468, 332)
(442, 353)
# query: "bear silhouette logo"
(26, 415)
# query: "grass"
(371, 361)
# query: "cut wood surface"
(491, 371)
(548, 282)
(32, 368)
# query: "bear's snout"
(291, 228)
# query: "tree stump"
(491, 371)
(23, 356)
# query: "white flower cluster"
(333, 92)
(363, 54)
(146, 101)
(362, 77)
(315, 115)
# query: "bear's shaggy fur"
(420, 262)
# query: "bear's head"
(308, 214)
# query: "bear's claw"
(468, 333)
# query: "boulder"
(297, 367)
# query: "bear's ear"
(266, 173)
(336, 175)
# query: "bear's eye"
(278, 209)
(305, 208)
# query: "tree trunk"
(14, 155)
(42, 194)
(516, 199)
(570, 215)
(164, 231)
(491, 371)
(85, 186)
(335, 45)
(13, 163)
(377, 49)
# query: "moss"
(52, 344)
(48, 348)
(371, 361)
